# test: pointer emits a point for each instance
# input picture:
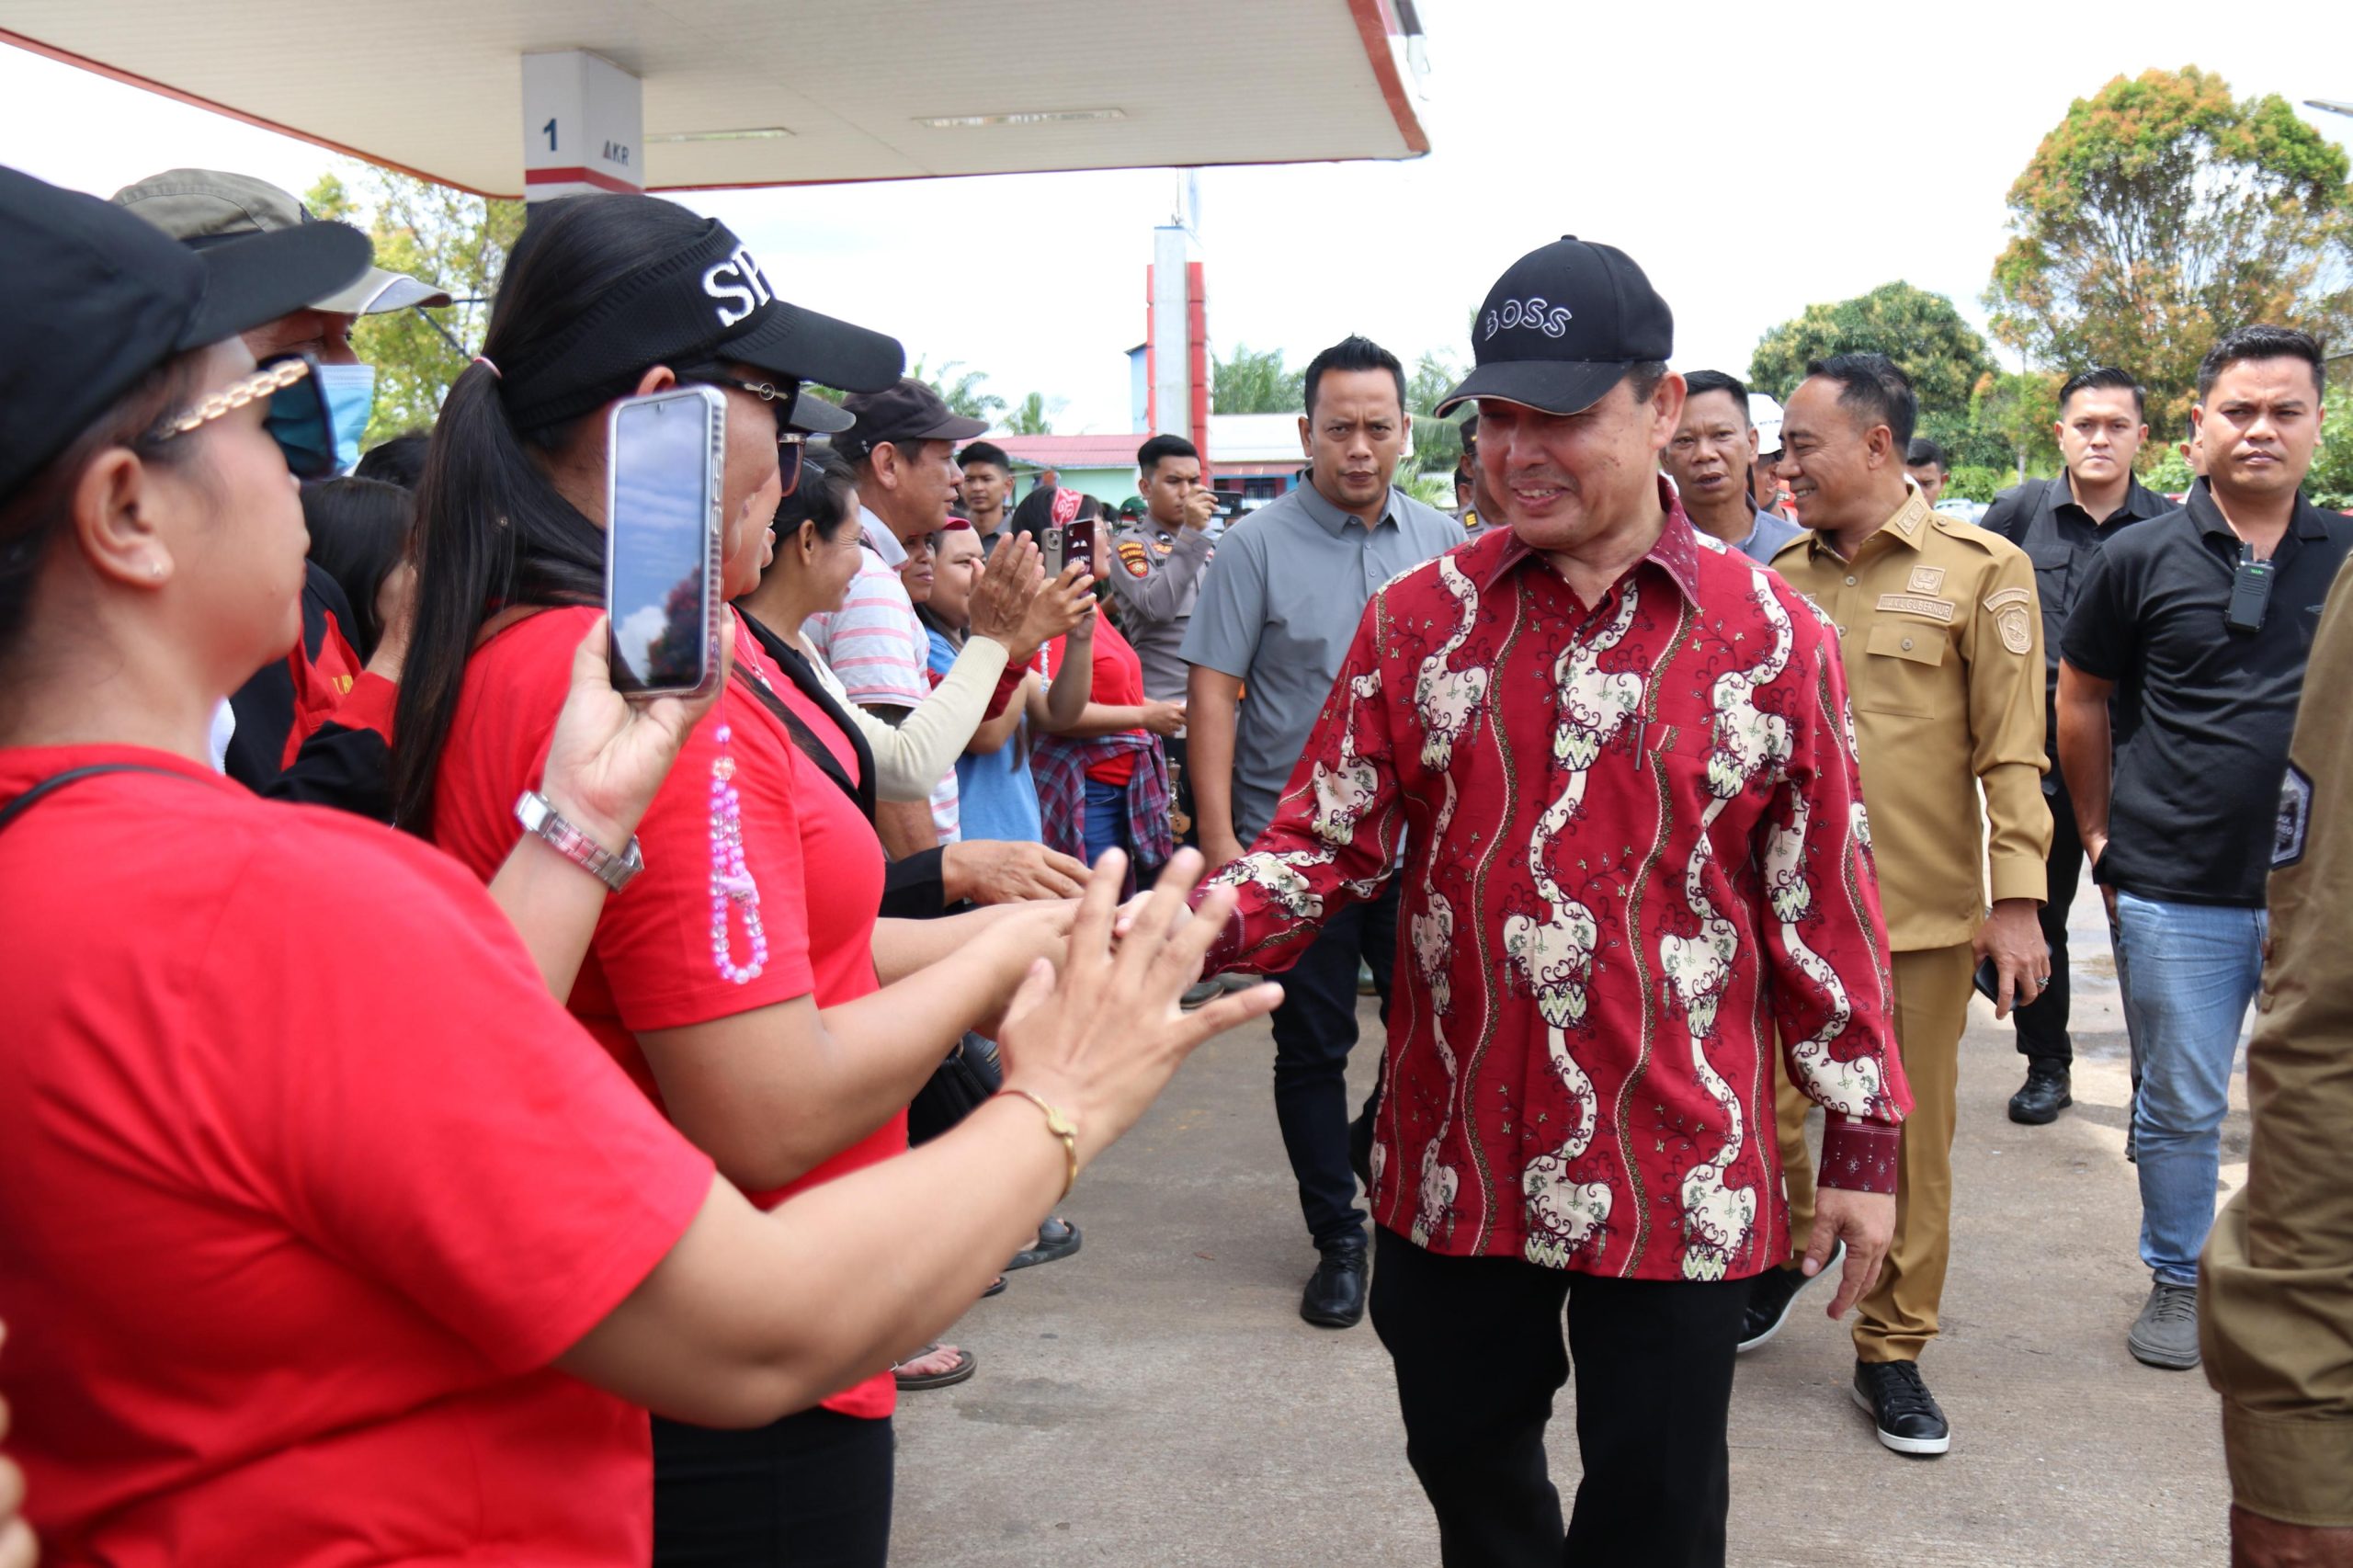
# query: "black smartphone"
(1988, 981)
(664, 453)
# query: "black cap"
(909, 411)
(1562, 326)
(96, 298)
(709, 301)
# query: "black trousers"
(2042, 1026)
(1477, 1350)
(810, 1491)
(1314, 1030)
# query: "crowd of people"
(455, 1110)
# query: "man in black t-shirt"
(2063, 524)
(2213, 608)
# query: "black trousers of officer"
(1314, 1030)
(1477, 1350)
(2043, 1025)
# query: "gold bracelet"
(1060, 1127)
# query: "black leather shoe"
(1772, 1293)
(1906, 1415)
(1335, 1293)
(2043, 1099)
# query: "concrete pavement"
(1155, 1399)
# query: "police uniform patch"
(1163, 545)
(2017, 636)
(2295, 818)
(1131, 556)
(1993, 602)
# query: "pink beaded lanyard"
(731, 883)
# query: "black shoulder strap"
(57, 781)
(788, 658)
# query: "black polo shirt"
(2197, 783)
(2043, 518)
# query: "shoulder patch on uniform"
(1917, 604)
(1131, 556)
(1993, 602)
(2295, 819)
(2017, 632)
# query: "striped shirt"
(876, 645)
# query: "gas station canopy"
(778, 92)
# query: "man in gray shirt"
(1274, 619)
(1711, 457)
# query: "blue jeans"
(1107, 820)
(2190, 971)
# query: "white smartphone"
(664, 453)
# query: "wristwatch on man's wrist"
(543, 821)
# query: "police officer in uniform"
(1155, 574)
(1941, 641)
(2276, 1276)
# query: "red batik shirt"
(1634, 846)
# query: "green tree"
(1438, 443)
(457, 242)
(2163, 211)
(1033, 416)
(1920, 331)
(1255, 383)
(2021, 410)
(960, 388)
(2330, 483)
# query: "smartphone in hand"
(1078, 546)
(664, 453)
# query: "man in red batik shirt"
(1618, 758)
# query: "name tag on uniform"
(1918, 604)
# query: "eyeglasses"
(297, 419)
(791, 445)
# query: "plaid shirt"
(1059, 767)
(1634, 849)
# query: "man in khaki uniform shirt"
(2276, 1277)
(1942, 644)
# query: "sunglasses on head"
(297, 417)
(790, 444)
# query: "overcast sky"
(1754, 159)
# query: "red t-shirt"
(284, 1272)
(1119, 683)
(651, 964)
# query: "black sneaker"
(1906, 1415)
(2044, 1096)
(1771, 1295)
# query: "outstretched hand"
(1866, 1222)
(609, 755)
(1103, 1038)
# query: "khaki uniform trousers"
(1899, 1317)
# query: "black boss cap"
(1562, 326)
(96, 298)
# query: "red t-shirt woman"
(744, 982)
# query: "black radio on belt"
(2250, 593)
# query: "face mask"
(351, 399)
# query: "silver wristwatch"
(538, 817)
